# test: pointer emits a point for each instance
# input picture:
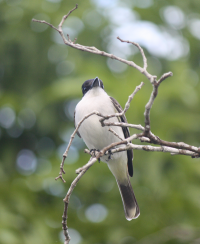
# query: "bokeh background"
(40, 85)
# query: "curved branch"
(70, 143)
(141, 51)
(94, 50)
(67, 197)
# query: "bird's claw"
(93, 153)
(109, 155)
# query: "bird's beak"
(96, 82)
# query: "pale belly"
(94, 135)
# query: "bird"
(96, 137)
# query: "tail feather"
(131, 207)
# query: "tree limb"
(67, 197)
(94, 50)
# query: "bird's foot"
(93, 153)
(109, 155)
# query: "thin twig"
(99, 52)
(67, 197)
(111, 130)
(148, 108)
(44, 22)
(105, 117)
(151, 100)
(130, 98)
(65, 17)
(122, 124)
(172, 151)
(70, 142)
(166, 149)
(164, 76)
(140, 49)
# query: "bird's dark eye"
(85, 89)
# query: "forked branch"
(94, 50)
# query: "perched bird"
(97, 137)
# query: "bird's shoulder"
(118, 108)
(126, 132)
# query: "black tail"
(131, 208)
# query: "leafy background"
(40, 86)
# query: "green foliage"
(40, 82)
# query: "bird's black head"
(89, 84)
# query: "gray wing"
(75, 124)
(126, 135)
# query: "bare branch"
(105, 117)
(172, 151)
(111, 130)
(148, 108)
(130, 98)
(88, 165)
(69, 145)
(44, 22)
(61, 170)
(151, 100)
(178, 145)
(164, 76)
(94, 50)
(141, 51)
(67, 197)
(166, 149)
(65, 17)
(151, 138)
(122, 124)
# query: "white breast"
(94, 135)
